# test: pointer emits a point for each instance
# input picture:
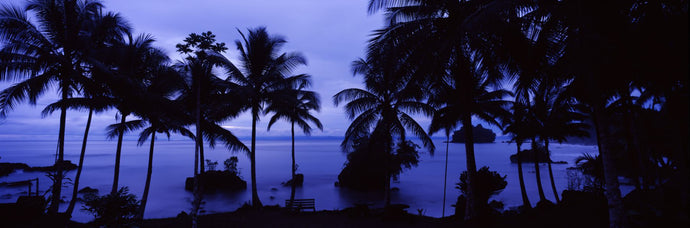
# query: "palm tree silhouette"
(125, 67)
(50, 49)
(295, 107)
(385, 105)
(519, 129)
(163, 116)
(488, 106)
(261, 77)
(556, 118)
(446, 36)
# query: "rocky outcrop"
(479, 133)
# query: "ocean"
(319, 158)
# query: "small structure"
(301, 204)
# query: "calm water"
(319, 159)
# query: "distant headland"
(480, 135)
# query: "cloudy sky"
(331, 34)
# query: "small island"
(480, 135)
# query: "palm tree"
(462, 37)
(385, 105)
(261, 76)
(125, 68)
(47, 50)
(516, 125)
(439, 121)
(295, 108)
(158, 123)
(488, 106)
(556, 119)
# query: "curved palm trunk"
(294, 168)
(118, 154)
(57, 185)
(472, 207)
(445, 176)
(548, 162)
(617, 217)
(256, 202)
(75, 191)
(537, 173)
(147, 186)
(525, 199)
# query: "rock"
(88, 190)
(528, 156)
(299, 180)
(6, 168)
(479, 133)
(66, 165)
(217, 180)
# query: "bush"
(489, 183)
(231, 165)
(117, 209)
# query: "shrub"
(117, 209)
(231, 165)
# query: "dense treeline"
(621, 65)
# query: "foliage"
(592, 168)
(211, 165)
(117, 209)
(489, 183)
(231, 165)
(365, 168)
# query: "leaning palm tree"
(556, 119)
(516, 125)
(162, 114)
(260, 76)
(384, 106)
(49, 49)
(295, 107)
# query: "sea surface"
(319, 158)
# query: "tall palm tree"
(516, 125)
(439, 119)
(125, 68)
(464, 37)
(384, 106)
(162, 114)
(261, 76)
(481, 103)
(556, 119)
(50, 49)
(295, 107)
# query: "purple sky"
(331, 34)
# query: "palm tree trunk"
(617, 217)
(202, 160)
(197, 119)
(548, 162)
(75, 190)
(525, 199)
(57, 185)
(118, 154)
(294, 168)
(535, 150)
(472, 207)
(147, 186)
(445, 176)
(256, 202)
